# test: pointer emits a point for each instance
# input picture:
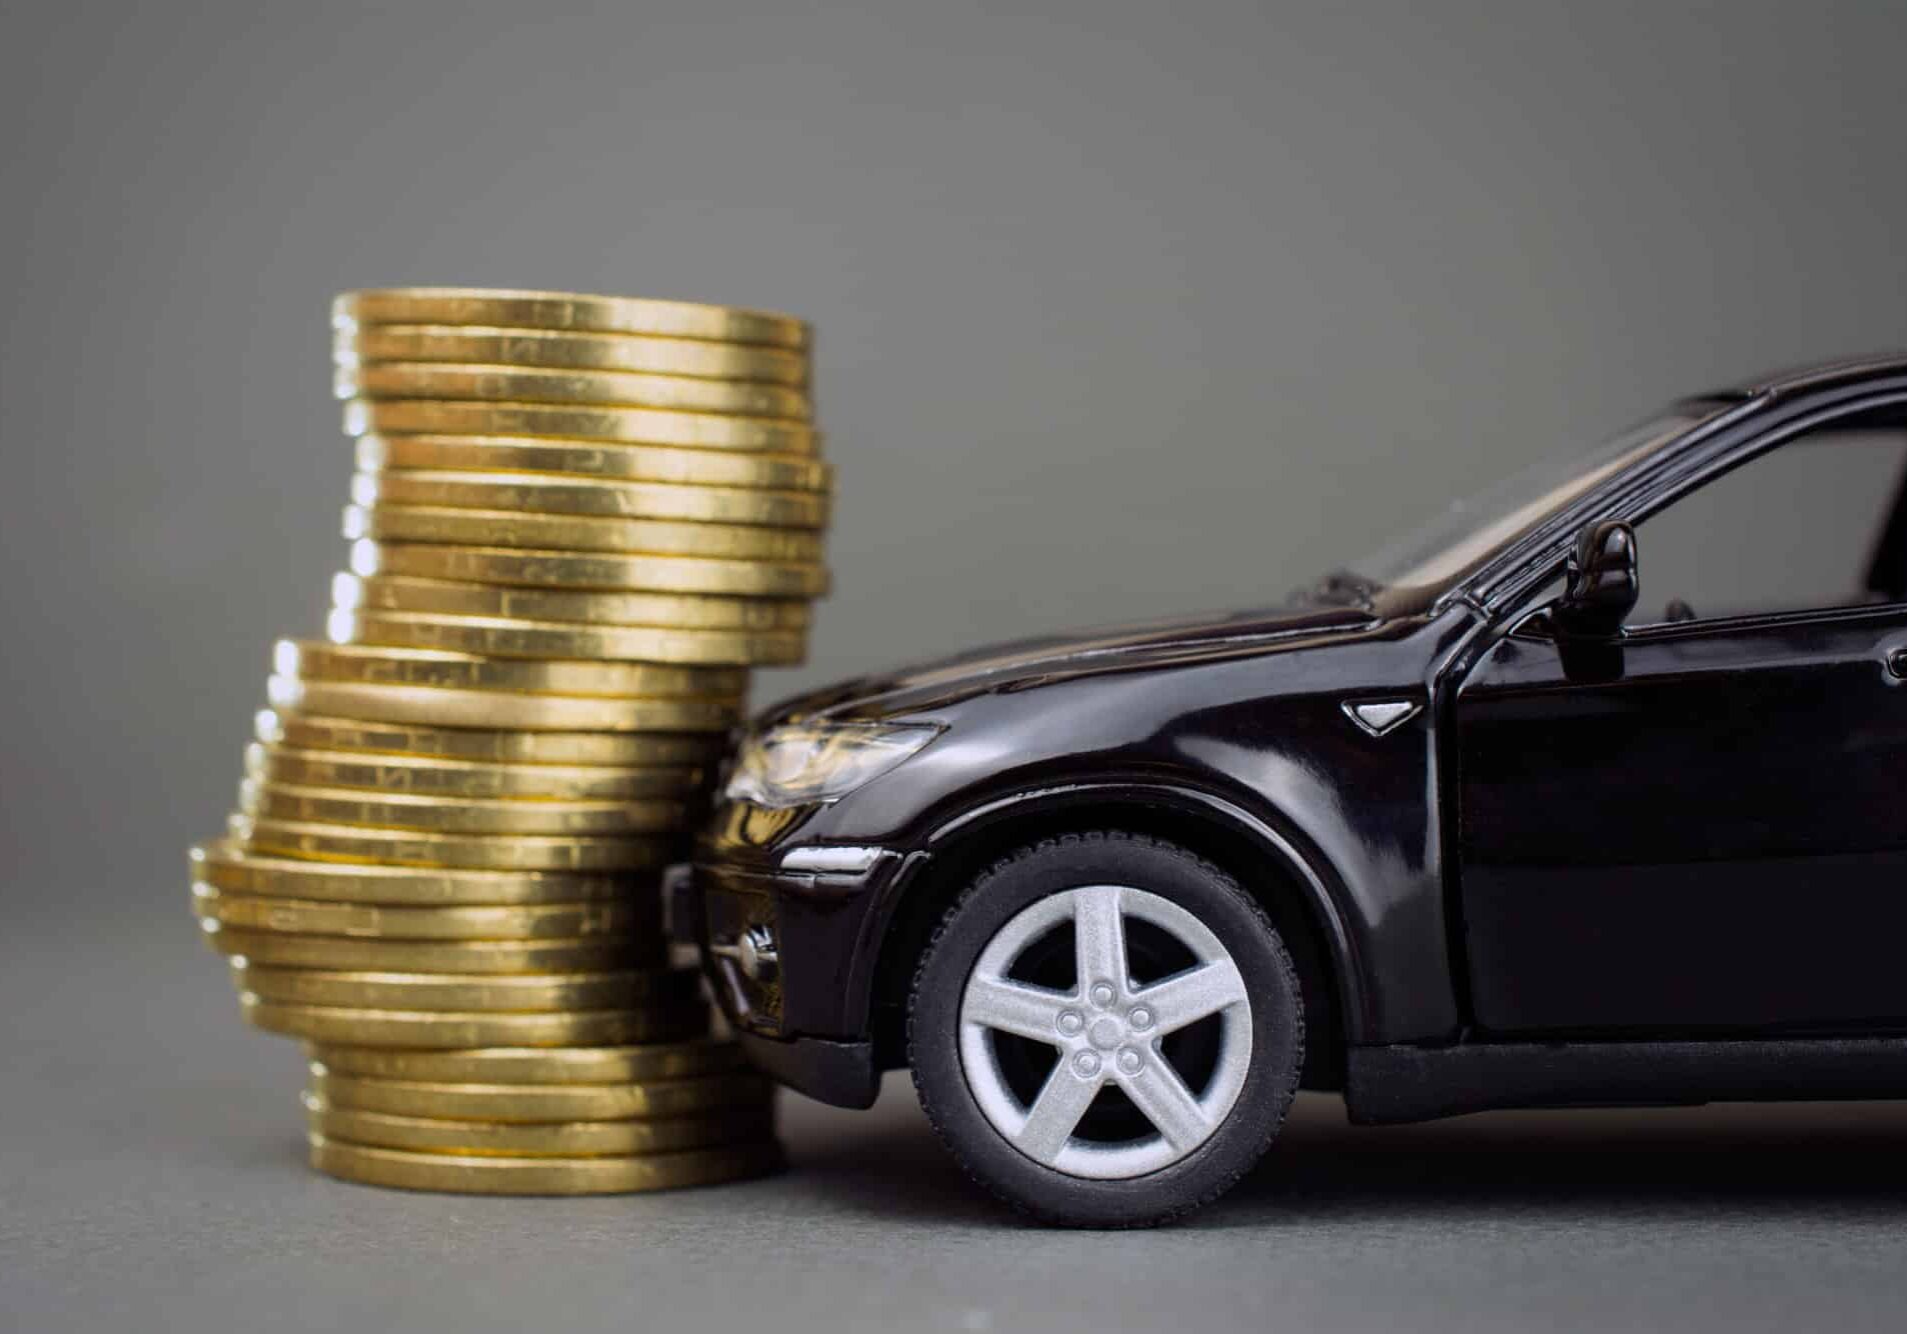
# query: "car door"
(1698, 828)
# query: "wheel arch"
(1288, 878)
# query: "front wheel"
(1106, 1030)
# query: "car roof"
(1820, 375)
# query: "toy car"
(1455, 829)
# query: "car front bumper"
(842, 1074)
(789, 947)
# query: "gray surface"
(151, 1177)
(1124, 309)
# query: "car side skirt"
(1392, 1084)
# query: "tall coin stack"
(576, 522)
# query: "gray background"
(1123, 309)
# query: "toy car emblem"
(1378, 716)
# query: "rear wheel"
(1106, 1030)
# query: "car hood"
(1019, 664)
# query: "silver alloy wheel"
(1107, 1031)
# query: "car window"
(1795, 529)
(1470, 529)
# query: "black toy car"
(1456, 829)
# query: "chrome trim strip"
(831, 859)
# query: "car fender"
(1311, 876)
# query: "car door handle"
(1897, 663)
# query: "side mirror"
(1603, 582)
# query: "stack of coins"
(576, 523)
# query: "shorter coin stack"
(525, 1121)
(577, 521)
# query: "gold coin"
(570, 458)
(537, 1065)
(229, 867)
(596, 954)
(475, 1174)
(446, 1030)
(311, 660)
(567, 570)
(514, 993)
(383, 921)
(498, 638)
(508, 309)
(560, 532)
(563, 1139)
(372, 344)
(499, 708)
(456, 815)
(467, 744)
(518, 384)
(402, 847)
(403, 774)
(677, 611)
(590, 497)
(630, 426)
(521, 1104)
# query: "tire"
(1008, 1041)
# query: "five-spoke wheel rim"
(1108, 1031)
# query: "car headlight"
(802, 764)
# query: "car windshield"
(1473, 528)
